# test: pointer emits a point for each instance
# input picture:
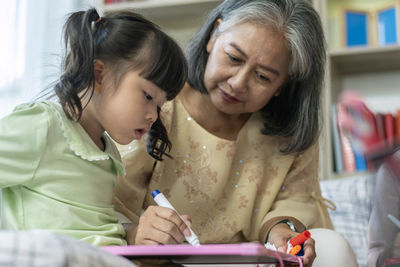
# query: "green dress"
(54, 177)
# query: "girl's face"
(246, 67)
(127, 111)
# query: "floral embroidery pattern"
(243, 201)
(217, 179)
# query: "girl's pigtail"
(78, 72)
(158, 142)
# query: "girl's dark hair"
(295, 113)
(123, 41)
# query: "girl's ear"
(210, 43)
(99, 71)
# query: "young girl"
(58, 163)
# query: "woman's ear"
(210, 43)
(99, 71)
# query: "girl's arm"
(23, 135)
(130, 191)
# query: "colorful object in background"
(114, 1)
(356, 26)
(362, 128)
(369, 25)
(392, 262)
(359, 122)
(387, 30)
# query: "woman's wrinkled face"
(247, 66)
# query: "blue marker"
(162, 201)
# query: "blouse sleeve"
(23, 135)
(300, 197)
(130, 190)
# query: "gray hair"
(269, 14)
(295, 112)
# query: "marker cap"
(155, 193)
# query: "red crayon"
(300, 238)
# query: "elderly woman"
(244, 160)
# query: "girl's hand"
(280, 234)
(159, 225)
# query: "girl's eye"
(148, 97)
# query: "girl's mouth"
(139, 133)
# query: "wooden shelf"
(149, 4)
(357, 60)
(352, 174)
(372, 71)
(165, 9)
(179, 18)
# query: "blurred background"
(363, 56)
(30, 47)
(31, 43)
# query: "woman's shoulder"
(254, 128)
(167, 111)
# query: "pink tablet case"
(209, 253)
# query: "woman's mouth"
(228, 98)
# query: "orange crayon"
(296, 249)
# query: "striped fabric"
(42, 249)
(354, 199)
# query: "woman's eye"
(148, 97)
(233, 58)
(262, 77)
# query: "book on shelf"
(393, 262)
(360, 161)
(380, 124)
(114, 1)
(349, 164)
(397, 127)
(389, 129)
(337, 149)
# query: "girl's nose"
(152, 115)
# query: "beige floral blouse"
(234, 191)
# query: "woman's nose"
(239, 80)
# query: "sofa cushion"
(354, 198)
